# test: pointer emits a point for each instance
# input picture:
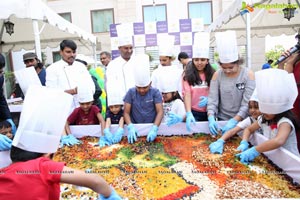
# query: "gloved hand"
(229, 125)
(13, 126)
(189, 119)
(203, 101)
(113, 196)
(152, 134)
(103, 141)
(217, 146)
(212, 124)
(108, 135)
(5, 143)
(132, 134)
(247, 156)
(174, 119)
(243, 146)
(69, 140)
(118, 135)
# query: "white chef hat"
(114, 97)
(84, 94)
(227, 46)
(168, 83)
(254, 96)
(43, 117)
(27, 77)
(124, 34)
(276, 90)
(142, 70)
(201, 45)
(166, 45)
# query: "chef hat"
(84, 94)
(276, 90)
(43, 117)
(124, 34)
(254, 96)
(166, 45)
(201, 45)
(114, 97)
(142, 70)
(168, 83)
(227, 46)
(27, 77)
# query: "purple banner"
(162, 27)
(185, 25)
(177, 38)
(151, 40)
(138, 28)
(187, 49)
(115, 54)
(113, 30)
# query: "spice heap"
(177, 167)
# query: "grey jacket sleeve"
(213, 98)
(249, 88)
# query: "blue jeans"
(200, 116)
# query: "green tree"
(274, 53)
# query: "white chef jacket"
(63, 76)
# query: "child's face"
(143, 90)
(200, 63)
(167, 96)
(115, 109)
(165, 60)
(7, 132)
(268, 117)
(253, 109)
(86, 106)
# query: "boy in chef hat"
(276, 92)
(85, 114)
(114, 115)
(143, 103)
(231, 87)
(36, 140)
(196, 80)
(217, 147)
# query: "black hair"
(270, 61)
(5, 124)
(2, 61)
(192, 77)
(68, 43)
(20, 155)
(81, 61)
(106, 53)
(175, 95)
(288, 114)
(183, 55)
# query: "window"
(66, 16)
(101, 19)
(154, 13)
(56, 56)
(201, 10)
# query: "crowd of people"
(266, 101)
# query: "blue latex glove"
(108, 135)
(212, 124)
(173, 119)
(152, 134)
(5, 143)
(189, 119)
(229, 125)
(132, 134)
(103, 141)
(69, 140)
(13, 126)
(247, 156)
(217, 146)
(203, 101)
(244, 145)
(118, 135)
(113, 196)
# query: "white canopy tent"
(266, 19)
(37, 26)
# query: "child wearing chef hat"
(231, 86)
(276, 92)
(85, 114)
(33, 175)
(217, 147)
(143, 103)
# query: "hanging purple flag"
(113, 30)
(138, 28)
(162, 27)
(185, 25)
(151, 40)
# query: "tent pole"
(248, 40)
(94, 54)
(37, 38)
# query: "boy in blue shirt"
(143, 104)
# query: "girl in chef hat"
(217, 147)
(276, 91)
(33, 175)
